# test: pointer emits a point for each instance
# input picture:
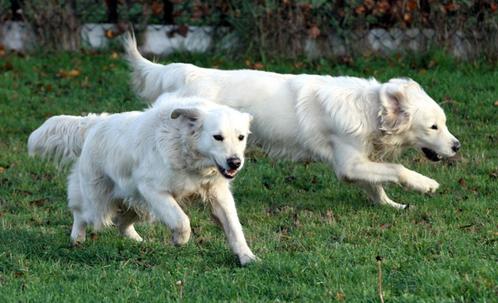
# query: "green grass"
(317, 238)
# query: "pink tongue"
(231, 172)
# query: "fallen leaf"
(2, 50)
(114, 55)
(93, 236)
(109, 34)
(2, 170)
(258, 65)
(462, 182)
(496, 103)
(314, 32)
(385, 226)
(73, 73)
(340, 296)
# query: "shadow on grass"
(106, 249)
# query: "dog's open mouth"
(431, 155)
(227, 173)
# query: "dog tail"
(61, 138)
(147, 76)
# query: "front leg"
(166, 209)
(354, 166)
(224, 209)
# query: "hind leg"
(78, 232)
(126, 219)
(75, 200)
(90, 199)
(377, 195)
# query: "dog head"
(407, 111)
(221, 135)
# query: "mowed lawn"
(318, 239)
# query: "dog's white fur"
(350, 123)
(144, 162)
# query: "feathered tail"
(149, 79)
(61, 138)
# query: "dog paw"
(421, 183)
(428, 185)
(181, 237)
(132, 235)
(247, 258)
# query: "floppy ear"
(192, 116)
(394, 114)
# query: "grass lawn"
(317, 239)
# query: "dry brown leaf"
(258, 65)
(110, 34)
(73, 73)
(314, 32)
(340, 296)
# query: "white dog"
(348, 122)
(144, 162)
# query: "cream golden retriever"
(145, 163)
(351, 123)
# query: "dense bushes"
(276, 27)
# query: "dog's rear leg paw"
(409, 207)
(248, 258)
(133, 235)
(181, 237)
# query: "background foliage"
(269, 27)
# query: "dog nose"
(234, 162)
(456, 146)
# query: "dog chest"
(186, 184)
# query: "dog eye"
(434, 126)
(218, 137)
(241, 137)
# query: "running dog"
(353, 124)
(140, 164)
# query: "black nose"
(456, 146)
(234, 162)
